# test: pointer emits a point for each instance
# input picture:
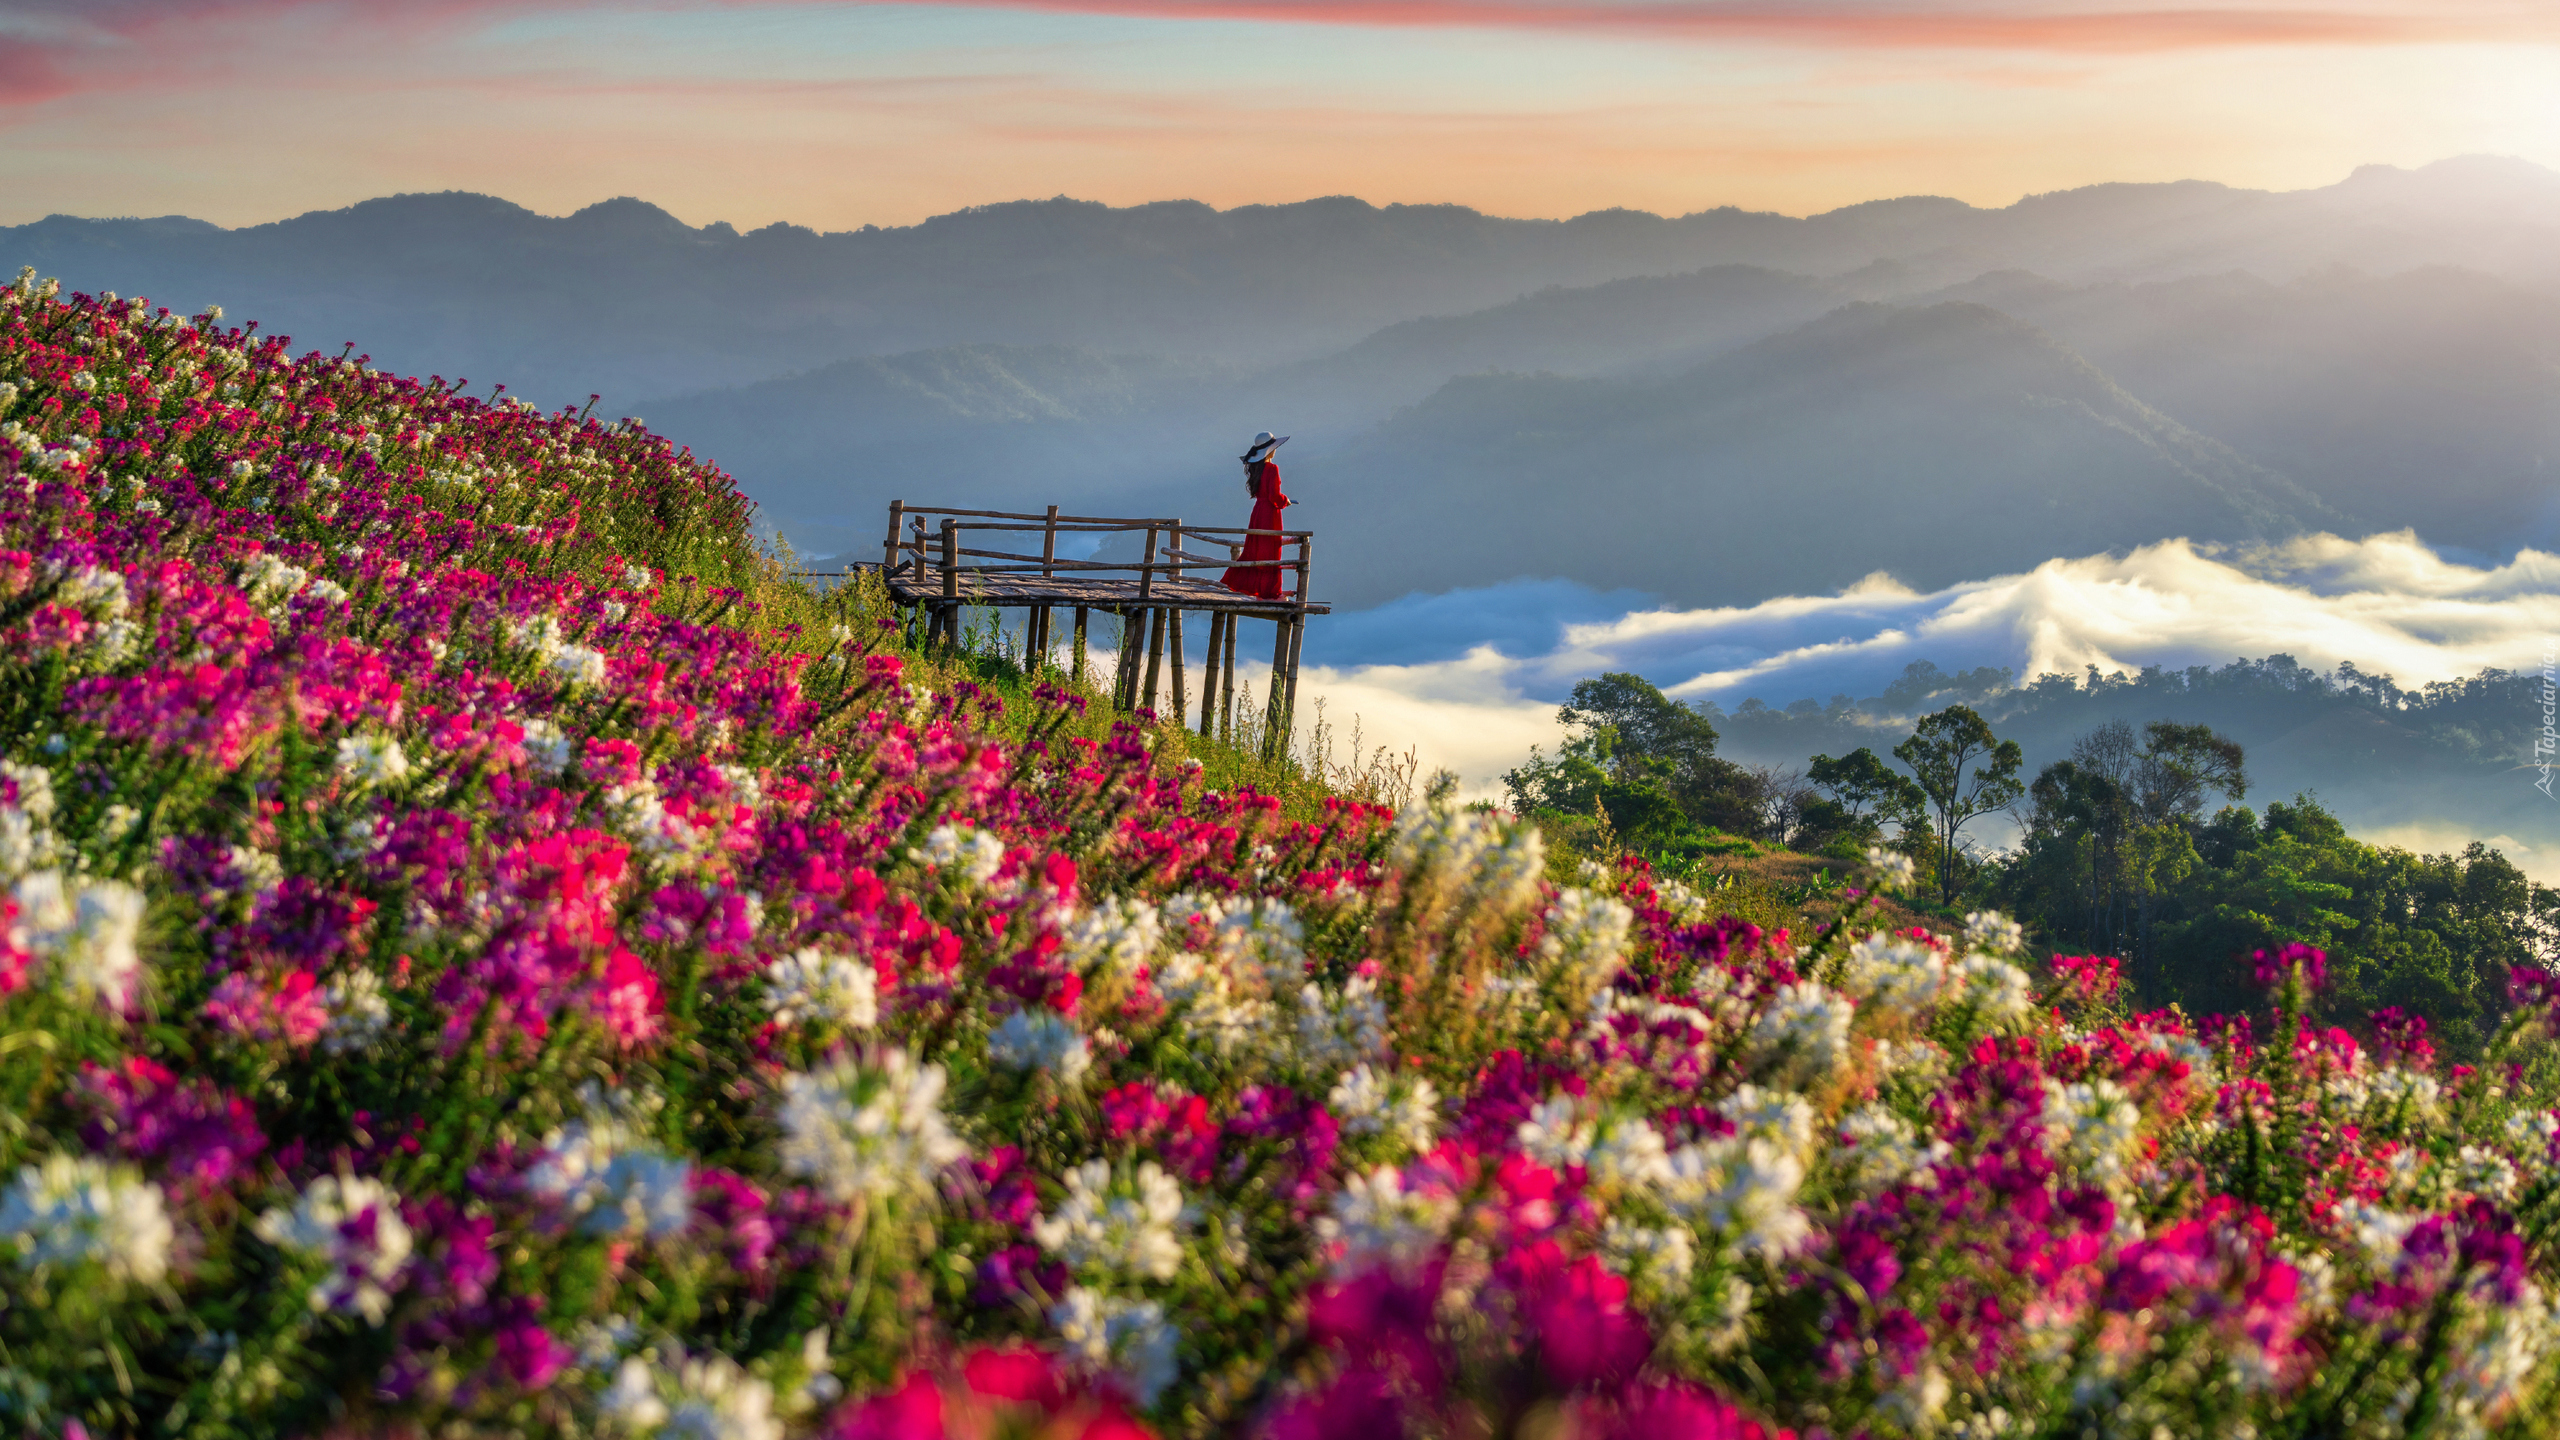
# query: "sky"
(841, 114)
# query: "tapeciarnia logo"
(2549, 738)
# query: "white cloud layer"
(1471, 679)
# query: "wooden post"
(1147, 569)
(1209, 675)
(951, 583)
(1155, 655)
(1274, 742)
(917, 572)
(1297, 637)
(1039, 621)
(889, 550)
(1078, 675)
(1289, 705)
(1181, 685)
(1227, 685)
(1124, 675)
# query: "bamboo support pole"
(1209, 675)
(1133, 645)
(1297, 636)
(1155, 656)
(951, 583)
(1289, 704)
(1274, 743)
(1181, 679)
(1039, 621)
(1227, 686)
(1078, 675)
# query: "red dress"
(1261, 581)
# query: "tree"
(1664, 738)
(1859, 780)
(1964, 772)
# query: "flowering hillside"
(468, 968)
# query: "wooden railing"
(921, 554)
(927, 564)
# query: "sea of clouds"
(1470, 679)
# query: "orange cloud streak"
(1880, 26)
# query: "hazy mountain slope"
(984, 426)
(1611, 328)
(1936, 443)
(624, 299)
(2429, 399)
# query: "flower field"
(482, 954)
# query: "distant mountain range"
(1714, 407)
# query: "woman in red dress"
(1262, 481)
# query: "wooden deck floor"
(1078, 592)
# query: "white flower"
(875, 1130)
(710, 1398)
(1658, 1259)
(1894, 973)
(269, 582)
(1629, 1154)
(549, 750)
(1990, 930)
(1475, 857)
(74, 1210)
(598, 1173)
(812, 986)
(1804, 1033)
(1369, 1104)
(1586, 937)
(1555, 1134)
(1116, 1223)
(1129, 1339)
(1894, 871)
(578, 665)
(1998, 993)
(2531, 1133)
(354, 1224)
(1881, 1149)
(34, 787)
(359, 1014)
(327, 592)
(977, 854)
(26, 842)
(1041, 1039)
(637, 577)
(1777, 1116)
(1377, 1221)
(1745, 1190)
(2389, 1092)
(86, 931)
(1116, 936)
(2094, 1125)
(253, 871)
(371, 759)
(2485, 1173)
(1339, 1031)
(1266, 936)
(2377, 1231)
(2490, 1373)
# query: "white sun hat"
(1263, 444)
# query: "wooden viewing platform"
(938, 570)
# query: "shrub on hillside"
(463, 971)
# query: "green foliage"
(1963, 771)
(2118, 859)
(1648, 763)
